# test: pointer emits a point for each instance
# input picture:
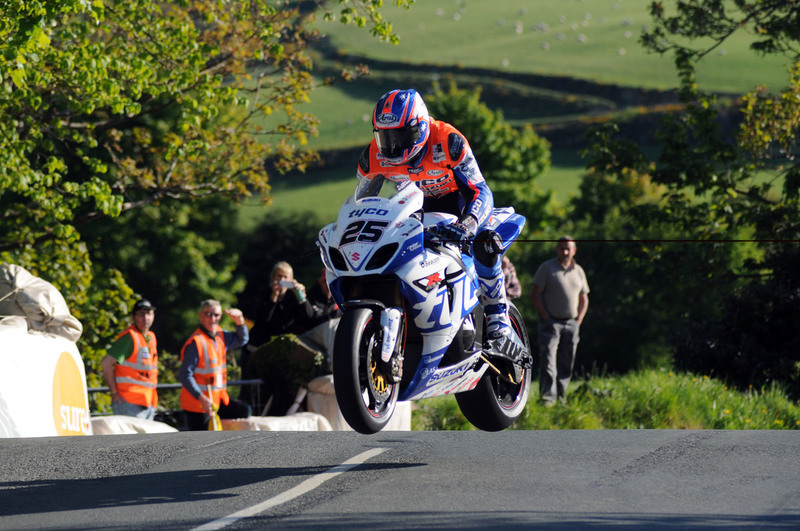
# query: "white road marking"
(306, 486)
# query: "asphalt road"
(660, 479)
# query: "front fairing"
(377, 229)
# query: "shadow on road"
(42, 496)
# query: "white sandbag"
(321, 398)
(120, 424)
(303, 421)
(38, 301)
(42, 384)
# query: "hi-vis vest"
(137, 376)
(212, 369)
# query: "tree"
(718, 163)
(699, 155)
(754, 343)
(86, 134)
(175, 255)
(102, 114)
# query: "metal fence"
(178, 386)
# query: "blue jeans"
(133, 410)
(558, 342)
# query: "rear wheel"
(495, 404)
(365, 396)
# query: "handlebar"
(434, 235)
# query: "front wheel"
(365, 396)
(495, 404)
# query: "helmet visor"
(393, 142)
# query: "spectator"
(284, 310)
(513, 287)
(130, 366)
(203, 367)
(560, 294)
(278, 313)
(321, 327)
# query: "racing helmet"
(401, 125)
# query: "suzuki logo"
(430, 282)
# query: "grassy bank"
(657, 399)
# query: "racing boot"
(498, 326)
(495, 306)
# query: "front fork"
(391, 321)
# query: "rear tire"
(495, 404)
(366, 397)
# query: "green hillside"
(584, 42)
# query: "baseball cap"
(142, 304)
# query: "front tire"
(365, 396)
(495, 404)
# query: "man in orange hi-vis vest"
(130, 367)
(204, 367)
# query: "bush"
(285, 365)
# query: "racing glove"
(461, 231)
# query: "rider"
(437, 157)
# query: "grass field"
(596, 40)
(587, 39)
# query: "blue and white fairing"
(376, 235)
(440, 296)
(372, 234)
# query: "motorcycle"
(412, 326)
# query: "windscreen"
(379, 185)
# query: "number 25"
(363, 231)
